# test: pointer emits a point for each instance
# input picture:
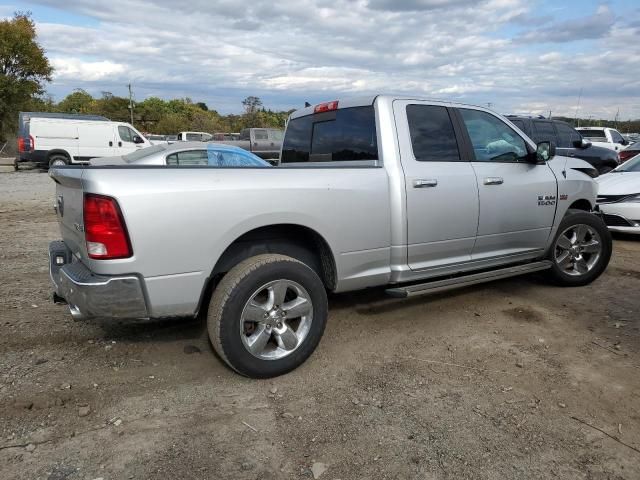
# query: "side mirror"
(624, 142)
(137, 139)
(545, 151)
(582, 143)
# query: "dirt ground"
(514, 379)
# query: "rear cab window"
(433, 138)
(545, 132)
(597, 135)
(343, 135)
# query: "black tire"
(55, 159)
(232, 294)
(604, 170)
(573, 218)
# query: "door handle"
(425, 183)
(119, 144)
(493, 181)
(111, 144)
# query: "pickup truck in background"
(264, 142)
(604, 137)
(415, 195)
(569, 142)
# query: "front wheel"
(581, 250)
(267, 315)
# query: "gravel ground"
(514, 379)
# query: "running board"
(466, 280)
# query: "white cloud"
(318, 49)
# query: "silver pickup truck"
(415, 195)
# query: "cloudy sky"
(522, 56)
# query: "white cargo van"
(72, 139)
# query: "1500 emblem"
(544, 200)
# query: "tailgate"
(69, 205)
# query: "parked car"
(187, 154)
(629, 152)
(61, 139)
(194, 137)
(604, 137)
(568, 141)
(416, 195)
(264, 142)
(157, 139)
(619, 197)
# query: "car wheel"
(267, 315)
(581, 250)
(58, 161)
(604, 170)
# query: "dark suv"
(569, 142)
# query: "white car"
(604, 137)
(619, 197)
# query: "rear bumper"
(94, 296)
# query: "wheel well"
(51, 153)
(301, 243)
(581, 205)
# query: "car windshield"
(632, 165)
(142, 153)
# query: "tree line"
(155, 115)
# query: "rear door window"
(432, 136)
(347, 134)
(545, 131)
(188, 157)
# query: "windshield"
(145, 152)
(632, 165)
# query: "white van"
(73, 139)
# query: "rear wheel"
(58, 161)
(267, 315)
(581, 250)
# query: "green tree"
(80, 101)
(24, 69)
(251, 104)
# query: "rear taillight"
(626, 155)
(25, 144)
(104, 229)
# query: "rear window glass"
(347, 134)
(518, 123)
(432, 136)
(591, 134)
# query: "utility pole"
(131, 104)
(578, 107)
